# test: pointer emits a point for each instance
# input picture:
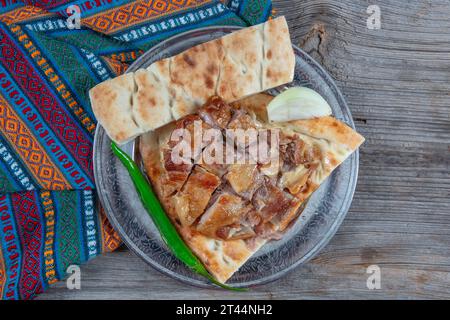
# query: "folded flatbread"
(226, 212)
(235, 66)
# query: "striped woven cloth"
(49, 214)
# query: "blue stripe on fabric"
(81, 227)
(114, 46)
(266, 14)
(88, 59)
(48, 56)
(10, 5)
(90, 225)
(11, 178)
(36, 117)
(46, 24)
(234, 5)
(59, 34)
(42, 221)
(43, 78)
(242, 5)
(211, 21)
(98, 222)
(15, 168)
(12, 251)
(74, 93)
(83, 61)
(172, 23)
(57, 28)
(55, 95)
(58, 263)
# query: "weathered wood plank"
(397, 83)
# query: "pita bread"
(148, 108)
(112, 104)
(235, 66)
(323, 143)
(241, 67)
(279, 60)
(194, 75)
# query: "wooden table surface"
(397, 83)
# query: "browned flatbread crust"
(241, 65)
(237, 65)
(149, 110)
(110, 102)
(334, 140)
(279, 62)
(194, 75)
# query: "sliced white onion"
(297, 103)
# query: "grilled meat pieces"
(234, 200)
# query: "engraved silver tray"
(319, 221)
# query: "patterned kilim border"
(12, 252)
(49, 252)
(110, 238)
(50, 218)
(134, 13)
(54, 79)
(30, 85)
(2, 273)
(30, 229)
(25, 13)
(68, 231)
(24, 143)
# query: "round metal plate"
(319, 221)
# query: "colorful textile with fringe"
(49, 214)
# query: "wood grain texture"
(397, 83)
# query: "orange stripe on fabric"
(29, 149)
(55, 80)
(116, 66)
(24, 13)
(136, 12)
(49, 254)
(123, 57)
(110, 238)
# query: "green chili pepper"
(166, 228)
